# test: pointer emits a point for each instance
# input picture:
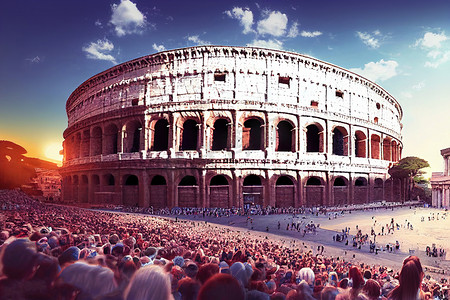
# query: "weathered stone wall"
(249, 116)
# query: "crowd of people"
(59, 252)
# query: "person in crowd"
(149, 283)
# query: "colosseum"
(218, 126)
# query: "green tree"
(407, 169)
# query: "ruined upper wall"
(251, 74)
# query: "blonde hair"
(149, 283)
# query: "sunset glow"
(52, 152)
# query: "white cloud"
(195, 39)
(245, 17)
(34, 60)
(98, 23)
(433, 44)
(378, 71)
(98, 50)
(271, 44)
(432, 40)
(369, 39)
(158, 48)
(293, 31)
(407, 95)
(127, 18)
(310, 33)
(274, 24)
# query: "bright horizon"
(50, 47)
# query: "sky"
(49, 47)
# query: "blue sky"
(49, 47)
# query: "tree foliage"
(408, 167)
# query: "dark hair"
(19, 259)
(221, 287)
(188, 288)
(410, 278)
(372, 289)
(207, 271)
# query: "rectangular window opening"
(219, 77)
(284, 80)
(314, 104)
(339, 94)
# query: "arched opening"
(190, 135)
(130, 195)
(158, 192)
(252, 135)
(361, 191)
(161, 135)
(133, 131)
(375, 146)
(339, 182)
(95, 189)
(314, 138)
(158, 180)
(96, 141)
(285, 137)
(253, 191)
(387, 149)
(361, 181)
(188, 192)
(284, 192)
(378, 190)
(75, 186)
(109, 180)
(314, 181)
(84, 189)
(67, 189)
(218, 180)
(220, 135)
(340, 191)
(77, 145)
(314, 191)
(219, 192)
(111, 139)
(360, 144)
(85, 143)
(340, 141)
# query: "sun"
(52, 152)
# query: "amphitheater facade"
(216, 126)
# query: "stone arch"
(189, 135)
(188, 191)
(158, 192)
(253, 134)
(378, 189)
(85, 143)
(314, 191)
(220, 135)
(77, 145)
(130, 190)
(108, 189)
(95, 191)
(84, 189)
(96, 141)
(361, 191)
(314, 138)
(340, 141)
(111, 145)
(360, 144)
(375, 146)
(253, 190)
(133, 136)
(68, 189)
(340, 190)
(285, 192)
(285, 136)
(75, 186)
(387, 149)
(219, 191)
(160, 135)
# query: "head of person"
(329, 293)
(221, 287)
(18, 259)
(150, 283)
(372, 289)
(91, 280)
(306, 274)
(357, 279)
(410, 278)
(188, 288)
